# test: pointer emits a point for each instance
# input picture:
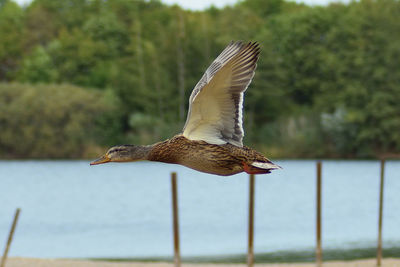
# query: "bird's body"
(211, 140)
(225, 159)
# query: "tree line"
(80, 75)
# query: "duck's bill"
(103, 159)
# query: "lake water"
(71, 209)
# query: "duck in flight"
(211, 140)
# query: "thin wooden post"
(318, 251)
(379, 249)
(177, 256)
(250, 251)
(10, 237)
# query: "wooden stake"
(379, 249)
(10, 237)
(318, 252)
(177, 257)
(250, 251)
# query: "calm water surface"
(71, 209)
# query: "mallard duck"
(211, 140)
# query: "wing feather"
(215, 105)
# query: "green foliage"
(49, 121)
(11, 37)
(326, 84)
(38, 67)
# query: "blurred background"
(77, 76)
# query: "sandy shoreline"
(31, 262)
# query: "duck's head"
(123, 153)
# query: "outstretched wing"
(216, 103)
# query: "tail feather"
(265, 165)
(258, 167)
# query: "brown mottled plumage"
(211, 140)
(224, 159)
